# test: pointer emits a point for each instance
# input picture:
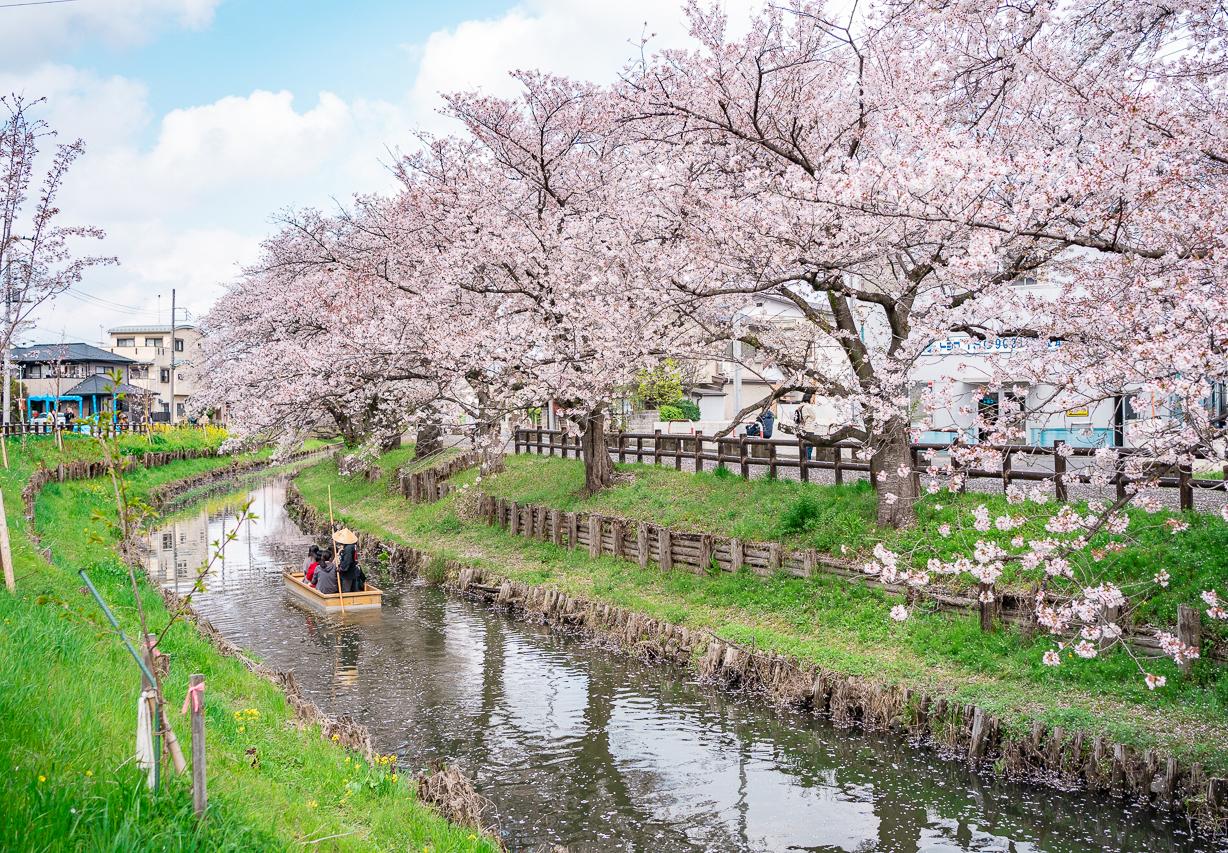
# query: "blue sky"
(205, 118)
(366, 49)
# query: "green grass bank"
(68, 700)
(828, 621)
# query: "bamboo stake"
(6, 556)
(197, 707)
(332, 529)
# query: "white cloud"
(186, 197)
(590, 40)
(36, 33)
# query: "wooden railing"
(742, 453)
(105, 428)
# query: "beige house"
(156, 358)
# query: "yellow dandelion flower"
(347, 759)
(42, 778)
(311, 804)
(336, 738)
(89, 773)
(242, 729)
(394, 777)
(472, 837)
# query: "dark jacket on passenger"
(326, 578)
(348, 569)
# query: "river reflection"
(579, 747)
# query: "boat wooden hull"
(370, 598)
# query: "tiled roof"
(71, 352)
(102, 384)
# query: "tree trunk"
(488, 444)
(598, 468)
(897, 495)
(429, 440)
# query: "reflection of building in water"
(267, 543)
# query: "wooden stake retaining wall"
(1053, 757)
(700, 553)
(429, 484)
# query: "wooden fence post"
(656, 447)
(678, 454)
(618, 529)
(1185, 483)
(775, 556)
(639, 448)
(556, 526)
(837, 463)
(1006, 468)
(1189, 630)
(641, 544)
(803, 470)
(737, 555)
(744, 462)
(665, 549)
(594, 535)
(200, 797)
(772, 460)
(573, 530)
(699, 450)
(622, 448)
(705, 553)
(1059, 471)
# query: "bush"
(690, 409)
(801, 515)
(671, 413)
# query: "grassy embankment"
(68, 697)
(823, 619)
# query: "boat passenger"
(326, 574)
(310, 564)
(347, 565)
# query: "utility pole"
(172, 356)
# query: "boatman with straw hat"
(347, 563)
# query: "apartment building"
(156, 358)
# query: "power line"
(34, 3)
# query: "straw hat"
(345, 536)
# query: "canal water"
(580, 747)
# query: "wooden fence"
(430, 484)
(98, 429)
(701, 553)
(742, 453)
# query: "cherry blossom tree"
(37, 260)
(894, 172)
(562, 235)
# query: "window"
(168, 541)
(178, 344)
(100, 368)
(32, 371)
(139, 371)
(153, 342)
(164, 374)
(125, 342)
(179, 410)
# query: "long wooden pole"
(332, 528)
(6, 555)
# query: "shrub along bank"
(823, 620)
(67, 709)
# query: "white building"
(157, 359)
(968, 363)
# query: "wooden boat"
(370, 598)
